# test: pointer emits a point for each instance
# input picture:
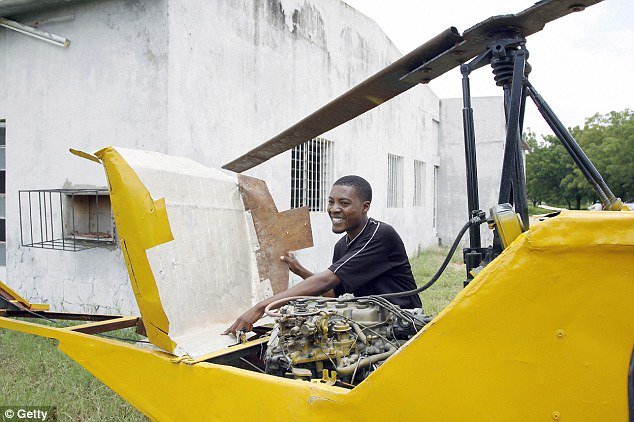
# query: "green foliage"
(608, 140)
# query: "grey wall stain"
(277, 17)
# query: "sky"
(582, 63)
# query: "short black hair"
(361, 185)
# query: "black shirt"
(375, 262)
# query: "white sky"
(582, 63)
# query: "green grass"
(33, 372)
(533, 210)
(425, 265)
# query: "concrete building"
(209, 80)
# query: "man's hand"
(294, 265)
(311, 286)
(246, 320)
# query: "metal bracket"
(34, 32)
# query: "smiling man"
(369, 260)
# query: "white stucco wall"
(285, 59)
(207, 80)
(452, 187)
(109, 87)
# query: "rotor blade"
(434, 58)
(478, 37)
(370, 93)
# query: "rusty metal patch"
(277, 232)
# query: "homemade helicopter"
(519, 342)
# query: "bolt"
(556, 416)
(561, 333)
(577, 7)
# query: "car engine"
(339, 340)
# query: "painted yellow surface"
(142, 223)
(545, 332)
(23, 301)
(85, 155)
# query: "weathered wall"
(276, 62)
(108, 87)
(207, 80)
(452, 187)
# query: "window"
(435, 136)
(66, 219)
(3, 190)
(435, 195)
(394, 181)
(89, 216)
(419, 183)
(311, 174)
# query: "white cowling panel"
(205, 275)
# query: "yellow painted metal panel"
(23, 301)
(545, 332)
(546, 329)
(169, 391)
(142, 223)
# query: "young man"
(370, 259)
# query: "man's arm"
(294, 265)
(297, 268)
(312, 286)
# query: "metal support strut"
(510, 66)
(507, 55)
(582, 161)
(474, 254)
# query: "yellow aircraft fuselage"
(544, 332)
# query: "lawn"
(33, 372)
(425, 265)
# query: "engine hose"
(475, 221)
(268, 310)
(360, 335)
(349, 369)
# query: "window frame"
(420, 179)
(395, 180)
(312, 174)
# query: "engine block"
(350, 337)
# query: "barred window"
(419, 183)
(435, 195)
(394, 181)
(311, 174)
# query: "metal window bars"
(435, 204)
(65, 219)
(311, 174)
(394, 181)
(419, 183)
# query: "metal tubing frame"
(470, 155)
(572, 147)
(513, 184)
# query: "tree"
(544, 169)
(608, 140)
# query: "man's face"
(347, 210)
